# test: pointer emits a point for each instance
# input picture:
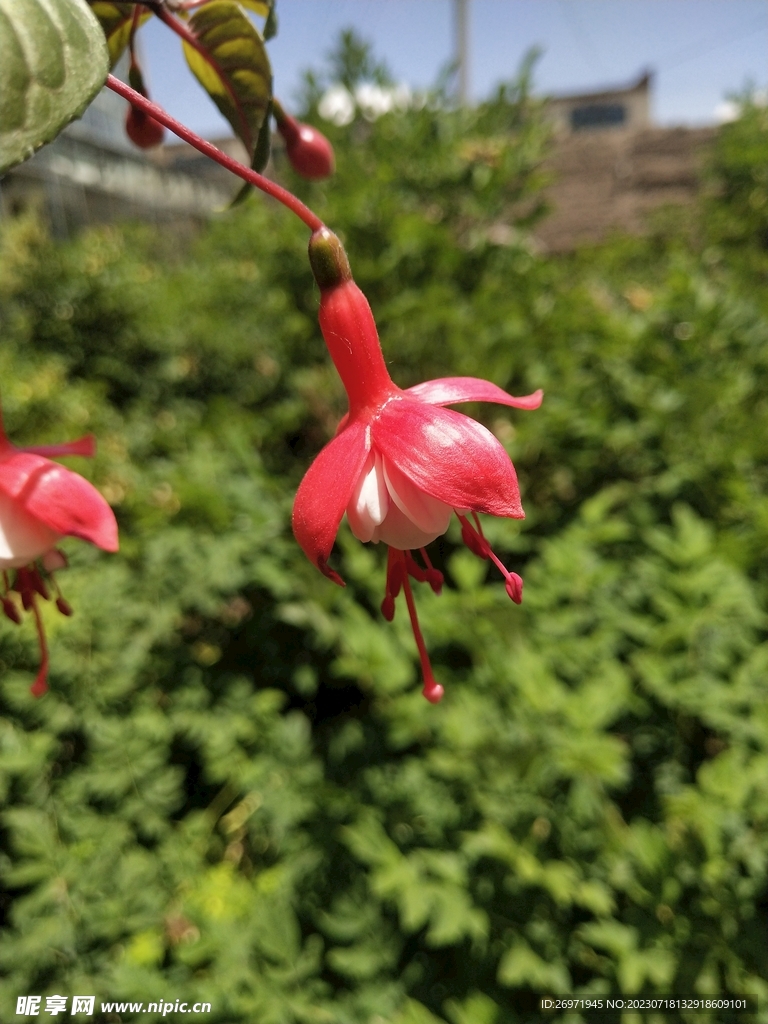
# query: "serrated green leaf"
(235, 71)
(115, 20)
(53, 61)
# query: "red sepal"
(449, 456)
(64, 501)
(324, 493)
(451, 390)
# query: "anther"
(11, 611)
(433, 576)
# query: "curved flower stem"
(271, 188)
(183, 31)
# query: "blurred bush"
(234, 792)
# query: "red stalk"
(271, 188)
(184, 32)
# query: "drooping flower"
(41, 502)
(401, 464)
(309, 153)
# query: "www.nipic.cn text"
(31, 1006)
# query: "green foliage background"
(234, 791)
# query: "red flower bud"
(143, 131)
(309, 152)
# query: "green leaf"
(115, 20)
(53, 61)
(259, 161)
(235, 70)
(265, 8)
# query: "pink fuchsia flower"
(309, 153)
(401, 464)
(40, 503)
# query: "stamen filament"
(477, 543)
(432, 690)
(40, 685)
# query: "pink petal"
(59, 498)
(325, 492)
(450, 456)
(450, 390)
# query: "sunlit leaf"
(53, 60)
(115, 20)
(233, 68)
(266, 9)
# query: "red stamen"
(40, 685)
(393, 585)
(476, 544)
(432, 690)
(434, 577)
(11, 611)
(23, 585)
(479, 546)
(39, 583)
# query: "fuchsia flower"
(309, 153)
(41, 502)
(400, 464)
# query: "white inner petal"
(402, 533)
(22, 537)
(369, 503)
(429, 514)
(387, 506)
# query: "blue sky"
(700, 50)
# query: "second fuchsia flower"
(400, 464)
(41, 502)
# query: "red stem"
(282, 195)
(184, 32)
(135, 20)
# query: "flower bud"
(309, 153)
(328, 259)
(143, 131)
